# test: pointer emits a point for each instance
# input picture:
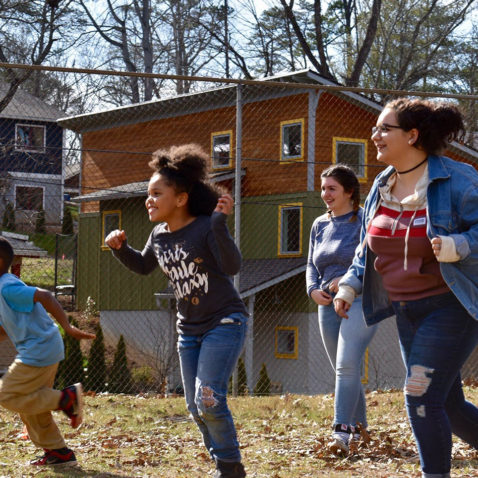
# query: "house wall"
(101, 275)
(34, 169)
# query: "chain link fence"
(67, 181)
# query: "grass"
(40, 272)
(281, 437)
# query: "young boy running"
(26, 388)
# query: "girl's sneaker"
(340, 440)
(62, 456)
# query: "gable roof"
(205, 100)
(22, 246)
(25, 106)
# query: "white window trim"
(25, 150)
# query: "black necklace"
(412, 169)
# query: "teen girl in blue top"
(334, 237)
(193, 247)
(419, 262)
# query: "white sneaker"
(340, 440)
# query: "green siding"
(260, 222)
(120, 288)
(88, 256)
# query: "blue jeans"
(437, 335)
(207, 362)
(345, 341)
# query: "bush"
(263, 385)
(40, 222)
(70, 369)
(67, 223)
(120, 376)
(8, 221)
(96, 364)
(241, 378)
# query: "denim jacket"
(452, 210)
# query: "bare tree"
(415, 44)
(28, 33)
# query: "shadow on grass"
(78, 472)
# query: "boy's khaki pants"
(28, 391)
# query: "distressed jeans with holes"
(437, 335)
(207, 362)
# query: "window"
(221, 149)
(290, 230)
(292, 140)
(287, 342)
(353, 153)
(30, 138)
(111, 221)
(28, 198)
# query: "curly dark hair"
(438, 124)
(185, 168)
(6, 254)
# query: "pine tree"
(70, 370)
(263, 385)
(96, 364)
(67, 224)
(120, 376)
(8, 221)
(40, 222)
(241, 378)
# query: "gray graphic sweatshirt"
(198, 260)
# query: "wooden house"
(275, 138)
(31, 160)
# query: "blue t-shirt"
(35, 336)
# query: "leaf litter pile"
(281, 437)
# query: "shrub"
(120, 376)
(70, 369)
(40, 222)
(67, 223)
(263, 385)
(241, 378)
(96, 364)
(8, 221)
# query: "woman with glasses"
(334, 237)
(418, 260)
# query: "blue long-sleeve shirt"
(333, 241)
(198, 260)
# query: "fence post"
(237, 200)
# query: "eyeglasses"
(384, 128)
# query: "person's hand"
(115, 239)
(341, 308)
(77, 333)
(320, 297)
(436, 246)
(334, 284)
(225, 204)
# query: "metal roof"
(139, 188)
(25, 106)
(257, 275)
(22, 246)
(209, 99)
